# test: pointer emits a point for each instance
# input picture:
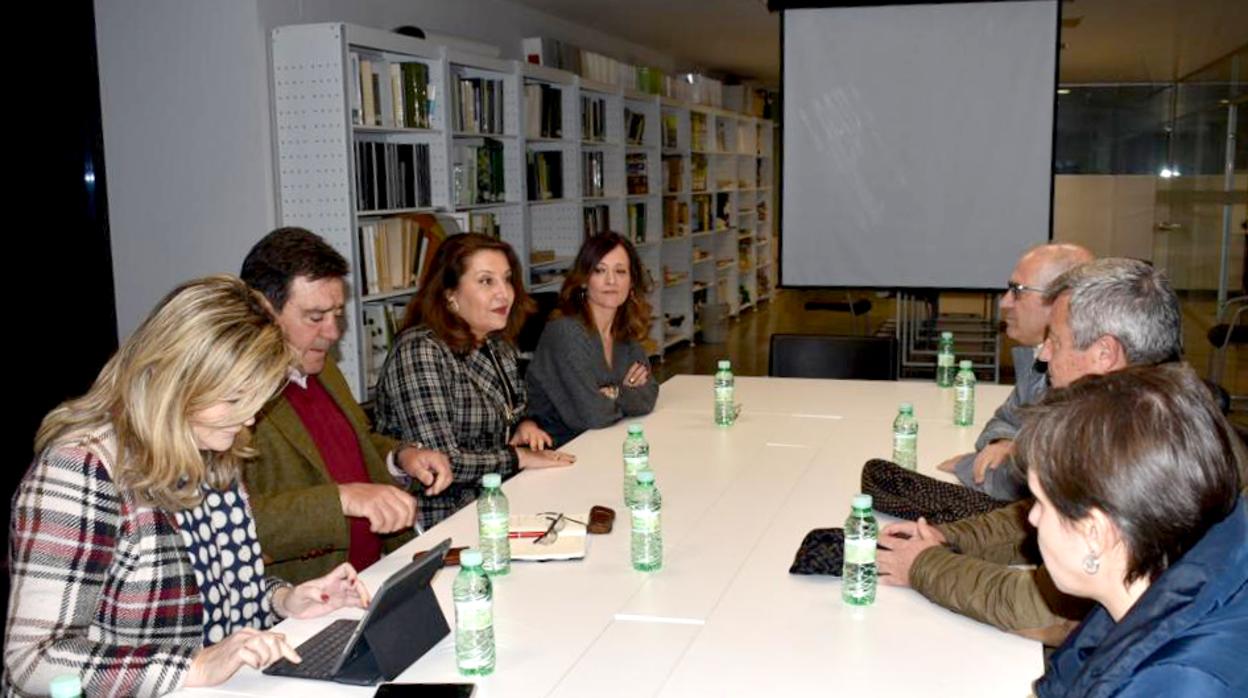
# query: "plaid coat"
(101, 585)
(455, 404)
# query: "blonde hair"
(210, 340)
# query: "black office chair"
(832, 356)
(531, 332)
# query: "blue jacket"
(1186, 636)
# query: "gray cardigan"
(569, 367)
(1029, 386)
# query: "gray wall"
(187, 139)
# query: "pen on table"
(420, 530)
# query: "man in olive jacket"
(1106, 315)
(324, 487)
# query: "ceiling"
(1111, 40)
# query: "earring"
(1091, 563)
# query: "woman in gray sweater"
(589, 369)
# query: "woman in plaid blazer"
(451, 384)
(133, 556)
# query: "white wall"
(187, 138)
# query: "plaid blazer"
(455, 404)
(101, 585)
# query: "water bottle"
(964, 396)
(858, 575)
(636, 459)
(906, 437)
(493, 526)
(474, 616)
(725, 410)
(647, 541)
(66, 686)
(944, 361)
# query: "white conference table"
(723, 616)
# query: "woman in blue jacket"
(1139, 507)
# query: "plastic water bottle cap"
(965, 365)
(862, 501)
(491, 480)
(65, 686)
(470, 558)
(946, 335)
(724, 364)
(645, 476)
(906, 407)
(634, 428)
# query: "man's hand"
(993, 455)
(387, 508)
(432, 468)
(950, 465)
(900, 544)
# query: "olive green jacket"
(973, 576)
(295, 501)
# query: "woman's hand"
(316, 597)
(530, 459)
(531, 436)
(246, 646)
(637, 376)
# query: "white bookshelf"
(315, 148)
(688, 263)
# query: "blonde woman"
(134, 561)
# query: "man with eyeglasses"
(1025, 314)
(1104, 316)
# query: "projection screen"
(917, 142)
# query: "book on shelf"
(597, 219)
(477, 174)
(593, 66)
(396, 250)
(382, 322)
(391, 175)
(673, 173)
(635, 127)
(552, 274)
(637, 222)
(418, 96)
(698, 168)
(721, 135)
(412, 99)
(484, 222)
(477, 104)
(671, 125)
(675, 218)
(638, 179)
(592, 173)
(697, 131)
(593, 118)
(543, 111)
(702, 213)
(545, 170)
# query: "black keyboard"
(319, 653)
